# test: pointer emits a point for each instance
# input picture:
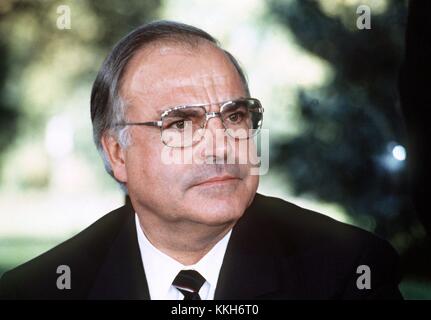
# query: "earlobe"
(116, 156)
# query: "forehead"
(167, 75)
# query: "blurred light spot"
(393, 158)
(59, 136)
(399, 153)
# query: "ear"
(116, 156)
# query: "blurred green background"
(338, 141)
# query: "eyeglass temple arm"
(149, 123)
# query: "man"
(195, 228)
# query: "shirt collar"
(161, 269)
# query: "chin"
(217, 204)
(217, 211)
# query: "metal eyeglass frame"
(208, 116)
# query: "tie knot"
(189, 282)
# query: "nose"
(216, 117)
(216, 145)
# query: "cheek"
(245, 153)
(148, 173)
(252, 183)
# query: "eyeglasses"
(184, 126)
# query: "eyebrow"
(182, 112)
(161, 111)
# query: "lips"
(217, 180)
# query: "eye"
(235, 117)
(179, 124)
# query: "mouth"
(218, 180)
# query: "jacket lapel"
(121, 275)
(250, 268)
(257, 263)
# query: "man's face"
(164, 76)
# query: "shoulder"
(81, 253)
(327, 250)
(308, 229)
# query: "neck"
(185, 241)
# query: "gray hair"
(107, 107)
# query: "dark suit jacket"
(276, 251)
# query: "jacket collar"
(251, 264)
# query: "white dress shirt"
(161, 270)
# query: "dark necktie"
(189, 282)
